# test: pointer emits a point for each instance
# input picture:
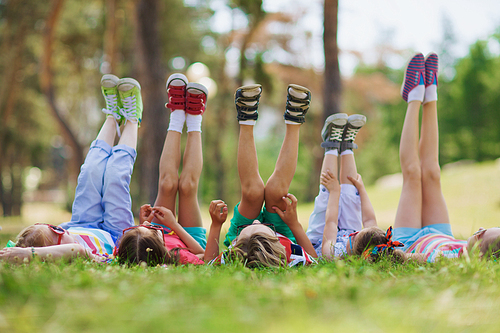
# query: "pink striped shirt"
(438, 245)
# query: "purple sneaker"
(414, 75)
(431, 69)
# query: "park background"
(351, 54)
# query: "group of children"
(264, 229)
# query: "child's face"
(66, 237)
(484, 238)
(255, 227)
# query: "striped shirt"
(438, 245)
(97, 241)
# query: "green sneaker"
(110, 93)
(129, 91)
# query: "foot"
(413, 88)
(196, 98)
(332, 131)
(129, 91)
(246, 99)
(176, 89)
(110, 93)
(297, 103)
(431, 80)
(354, 124)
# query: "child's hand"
(357, 181)
(289, 216)
(145, 214)
(165, 216)
(218, 211)
(330, 181)
(14, 254)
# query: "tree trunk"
(111, 36)
(333, 86)
(47, 85)
(152, 79)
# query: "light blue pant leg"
(87, 209)
(317, 218)
(116, 198)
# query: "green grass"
(449, 296)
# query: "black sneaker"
(297, 103)
(333, 130)
(246, 99)
(354, 124)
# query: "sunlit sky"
(403, 24)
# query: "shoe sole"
(177, 80)
(128, 83)
(406, 71)
(356, 120)
(109, 81)
(250, 90)
(299, 88)
(197, 87)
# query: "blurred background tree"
(54, 53)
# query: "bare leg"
(347, 168)
(169, 167)
(410, 203)
(252, 186)
(108, 131)
(433, 204)
(189, 208)
(330, 162)
(278, 184)
(129, 135)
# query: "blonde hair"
(33, 236)
(259, 250)
(136, 247)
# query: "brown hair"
(33, 236)
(136, 247)
(374, 236)
(259, 250)
(492, 250)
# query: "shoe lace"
(336, 134)
(351, 133)
(176, 97)
(129, 108)
(195, 102)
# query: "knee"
(431, 174)
(412, 172)
(188, 186)
(169, 185)
(253, 192)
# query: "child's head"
(257, 245)
(487, 241)
(367, 239)
(40, 235)
(145, 244)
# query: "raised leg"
(169, 167)
(252, 186)
(189, 208)
(434, 208)
(278, 184)
(409, 212)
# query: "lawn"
(343, 296)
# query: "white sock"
(332, 152)
(347, 152)
(193, 122)
(177, 119)
(431, 93)
(247, 122)
(417, 93)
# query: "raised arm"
(330, 181)
(289, 216)
(367, 211)
(19, 255)
(218, 214)
(167, 218)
